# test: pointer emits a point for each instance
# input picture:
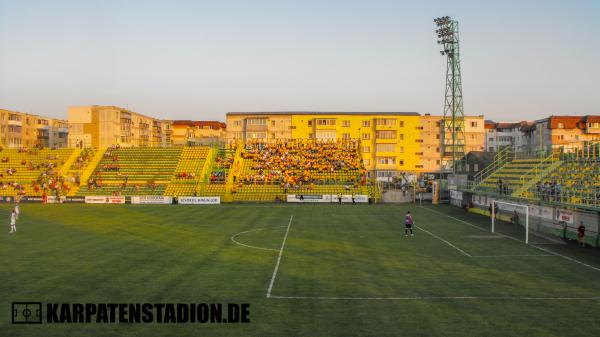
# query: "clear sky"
(199, 59)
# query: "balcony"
(386, 141)
(14, 122)
(379, 166)
(386, 154)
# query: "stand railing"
(537, 173)
(502, 158)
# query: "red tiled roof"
(568, 122)
(489, 125)
(592, 119)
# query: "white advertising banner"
(456, 195)
(347, 198)
(564, 215)
(308, 198)
(104, 200)
(199, 200)
(151, 199)
(327, 198)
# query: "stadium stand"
(568, 176)
(219, 181)
(270, 171)
(34, 171)
(250, 172)
(576, 181)
(133, 171)
(189, 171)
(516, 176)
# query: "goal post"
(512, 212)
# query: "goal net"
(514, 220)
(510, 218)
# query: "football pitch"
(305, 270)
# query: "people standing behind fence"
(549, 191)
(515, 218)
(581, 234)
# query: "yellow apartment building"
(20, 129)
(104, 126)
(391, 142)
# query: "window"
(366, 124)
(491, 139)
(419, 166)
(330, 135)
(325, 122)
(437, 149)
(386, 160)
(385, 174)
(401, 149)
(419, 128)
(366, 149)
(256, 121)
(385, 121)
(475, 167)
(418, 140)
(401, 136)
(386, 147)
(418, 153)
(437, 162)
(437, 136)
(560, 126)
(256, 135)
(385, 135)
(346, 136)
(472, 136)
(474, 124)
(366, 136)
(401, 124)
(346, 124)
(272, 123)
(310, 123)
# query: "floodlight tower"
(453, 130)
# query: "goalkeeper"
(408, 223)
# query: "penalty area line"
(279, 257)
(510, 237)
(444, 241)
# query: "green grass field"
(344, 271)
